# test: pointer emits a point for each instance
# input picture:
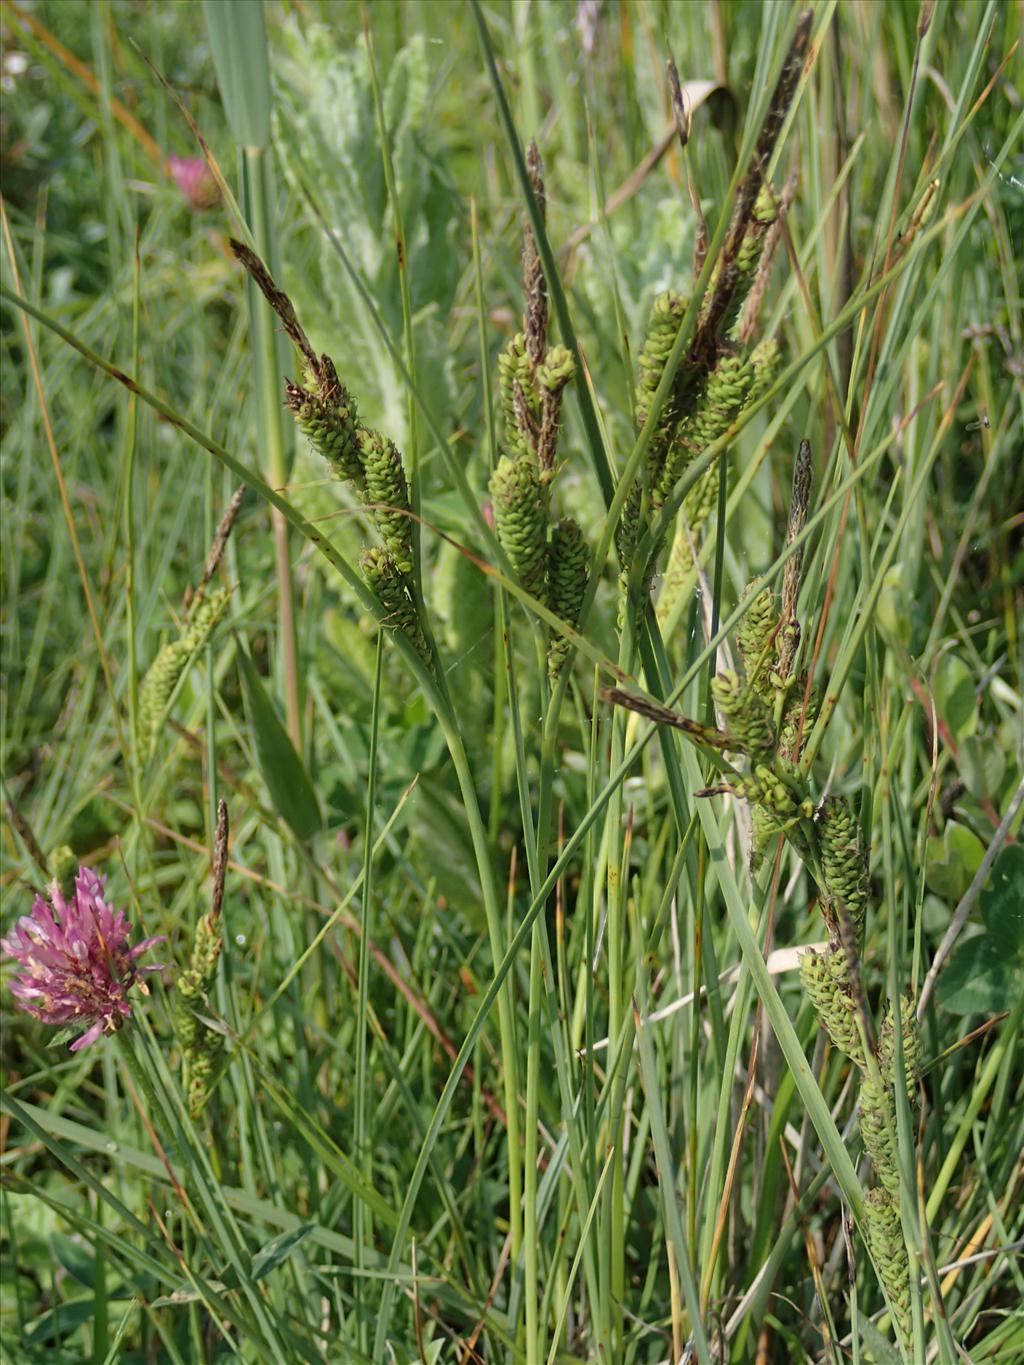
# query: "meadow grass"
(485, 1035)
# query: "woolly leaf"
(283, 771)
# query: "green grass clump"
(504, 1023)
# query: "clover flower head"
(76, 963)
(192, 176)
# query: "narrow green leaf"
(238, 41)
(277, 1250)
(288, 782)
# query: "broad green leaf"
(955, 698)
(238, 40)
(76, 1258)
(283, 770)
(1002, 901)
(277, 1250)
(980, 978)
(982, 764)
(952, 861)
(891, 614)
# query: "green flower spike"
(163, 674)
(764, 365)
(792, 728)
(746, 716)
(878, 1129)
(514, 375)
(388, 493)
(884, 1235)
(824, 977)
(555, 371)
(520, 514)
(326, 414)
(662, 329)
(842, 858)
(391, 585)
(911, 1047)
(568, 572)
(753, 636)
(201, 1046)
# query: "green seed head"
(568, 571)
(520, 514)
(755, 631)
(825, 979)
(746, 716)
(388, 493)
(327, 417)
(842, 858)
(884, 1235)
(911, 1046)
(391, 585)
(515, 371)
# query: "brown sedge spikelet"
(568, 572)
(884, 1236)
(535, 320)
(392, 587)
(388, 494)
(520, 514)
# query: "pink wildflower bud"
(192, 176)
(76, 964)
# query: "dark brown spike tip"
(276, 297)
(706, 735)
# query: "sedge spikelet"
(764, 368)
(753, 636)
(515, 385)
(825, 979)
(911, 1046)
(842, 859)
(388, 493)
(745, 714)
(878, 1129)
(568, 571)
(535, 320)
(166, 669)
(520, 514)
(554, 372)
(326, 415)
(392, 587)
(200, 1045)
(884, 1235)
(662, 329)
(798, 720)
